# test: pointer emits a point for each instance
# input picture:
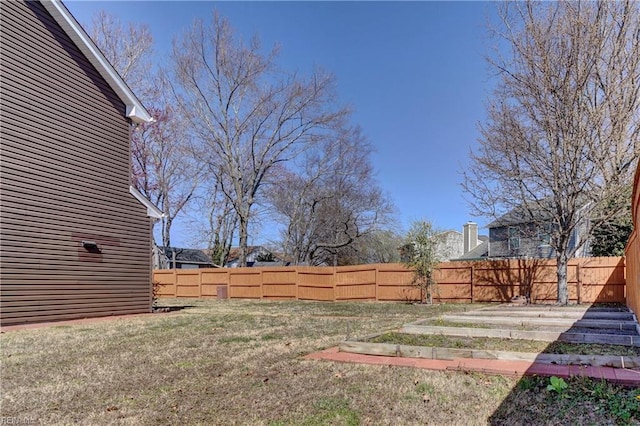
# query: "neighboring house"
(449, 245)
(75, 236)
(256, 256)
(514, 236)
(480, 252)
(183, 258)
(452, 245)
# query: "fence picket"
(594, 280)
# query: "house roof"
(450, 231)
(135, 110)
(521, 214)
(480, 251)
(185, 255)
(234, 252)
(516, 216)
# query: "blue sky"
(413, 72)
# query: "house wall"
(632, 253)
(529, 242)
(65, 179)
(449, 245)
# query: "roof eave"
(135, 110)
(152, 210)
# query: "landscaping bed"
(513, 345)
(604, 336)
(439, 322)
(514, 320)
(441, 347)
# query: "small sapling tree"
(419, 254)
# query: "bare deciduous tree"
(128, 49)
(250, 114)
(563, 128)
(295, 199)
(379, 246)
(162, 166)
(215, 222)
(333, 201)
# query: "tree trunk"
(563, 291)
(244, 237)
(166, 232)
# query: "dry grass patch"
(234, 362)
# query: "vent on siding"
(91, 246)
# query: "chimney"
(470, 236)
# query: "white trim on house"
(152, 210)
(135, 110)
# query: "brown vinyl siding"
(65, 177)
(632, 251)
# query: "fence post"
(578, 284)
(471, 283)
(175, 283)
(376, 280)
(333, 281)
(261, 284)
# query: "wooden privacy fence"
(589, 280)
(632, 252)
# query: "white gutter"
(152, 210)
(135, 110)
